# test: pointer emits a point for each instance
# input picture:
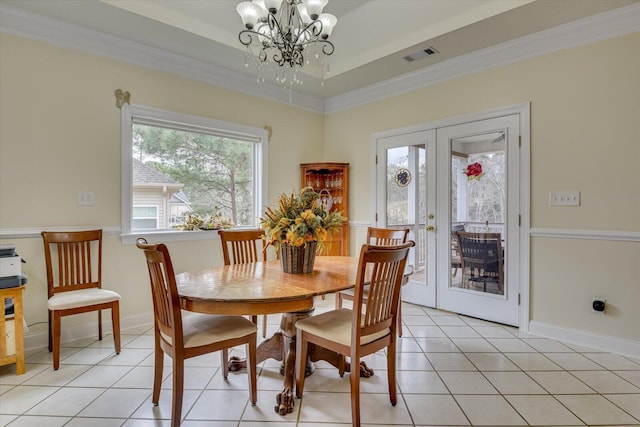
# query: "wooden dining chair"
(364, 329)
(456, 261)
(378, 237)
(74, 280)
(183, 338)
(242, 247)
(482, 258)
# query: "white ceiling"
(371, 37)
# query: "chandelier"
(287, 35)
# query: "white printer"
(11, 267)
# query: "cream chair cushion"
(335, 325)
(202, 329)
(81, 298)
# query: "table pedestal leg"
(282, 347)
(285, 400)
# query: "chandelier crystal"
(286, 35)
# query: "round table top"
(262, 287)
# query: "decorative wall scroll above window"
(473, 171)
(403, 177)
(121, 97)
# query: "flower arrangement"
(298, 220)
(473, 171)
(214, 221)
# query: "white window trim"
(197, 124)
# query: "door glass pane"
(406, 201)
(478, 206)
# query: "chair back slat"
(73, 260)
(164, 292)
(386, 236)
(482, 255)
(242, 247)
(381, 268)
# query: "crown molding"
(615, 23)
(26, 24)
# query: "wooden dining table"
(263, 288)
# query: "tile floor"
(452, 371)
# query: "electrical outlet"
(598, 305)
(564, 198)
(86, 198)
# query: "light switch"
(86, 198)
(564, 198)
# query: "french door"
(460, 177)
(405, 199)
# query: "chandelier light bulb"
(304, 15)
(273, 5)
(250, 13)
(314, 7)
(328, 22)
(263, 10)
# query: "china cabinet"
(331, 181)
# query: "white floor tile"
(594, 409)
(20, 399)
(420, 382)
(67, 401)
(573, 362)
(437, 409)
(511, 345)
(60, 377)
(613, 361)
(100, 376)
(116, 403)
(605, 382)
(628, 402)
(491, 362)
(532, 362)
(36, 421)
(560, 382)
(543, 410)
(219, 405)
(450, 362)
(514, 383)
(473, 345)
(489, 410)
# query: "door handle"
(431, 228)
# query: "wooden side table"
(18, 356)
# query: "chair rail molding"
(34, 232)
(559, 233)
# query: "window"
(177, 167)
(144, 217)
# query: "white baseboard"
(606, 343)
(40, 339)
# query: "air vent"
(421, 54)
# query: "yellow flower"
(322, 234)
(298, 241)
(307, 215)
(284, 222)
(290, 236)
(299, 221)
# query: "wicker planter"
(298, 259)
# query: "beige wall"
(59, 134)
(585, 135)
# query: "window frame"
(131, 114)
